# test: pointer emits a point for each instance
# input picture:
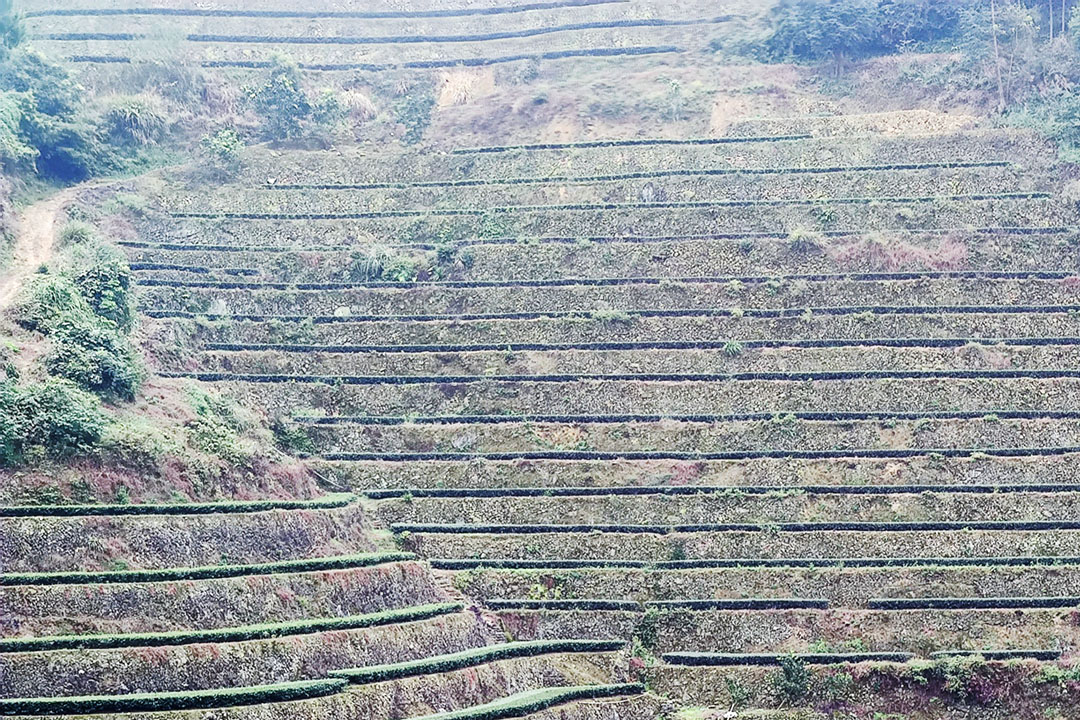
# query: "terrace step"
(384, 53)
(803, 541)
(710, 357)
(235, 661)
(472, 658)
(1041, 655)
(502, 261)
(613, 303)
(877, 687)
(778, 434)
(336, 500)
(702, 184)
(927, 212)
(154, 541)
(604, 158)
(968, 391)
(465, 680)
(177, 600)
(470, 473)
(667, 605)
(744, 659)
(843, 582)
(796, 630)
(940, 328)
(172, 701)
(224, 635)
(782, 506)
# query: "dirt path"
(34, 240)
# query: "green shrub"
(12, 28)
(64, 145)
(96, 357)
(216, 428)
(414, 112)
(401, 268)
(13, 148)
(286, 111)
(47, 420)
(647, 632)
(843, 29)
(104, 279)
(49, 301)
(793, 680)
(84, 320)
(292, 437)
(222, 151)
(134, 119)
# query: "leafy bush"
(96, 357)
(104, 279)
(221, 151)
(793, 680)
(414, 112)
(53, 419)
(86, 318)
(63, 144)
(292, 437)
(13, 148)
(401, 268)
(286, 110)
(48, 301)
(48, 86)
(216, 428)
(134, 119)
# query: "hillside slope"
(611, 374)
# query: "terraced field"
(641, 423)
(732, 399)
(377, 36)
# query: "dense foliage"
(286, 110)
(46, 125)
(86, 311)
(49, 420)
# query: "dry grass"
(461, 87)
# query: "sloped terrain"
(785, 416)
